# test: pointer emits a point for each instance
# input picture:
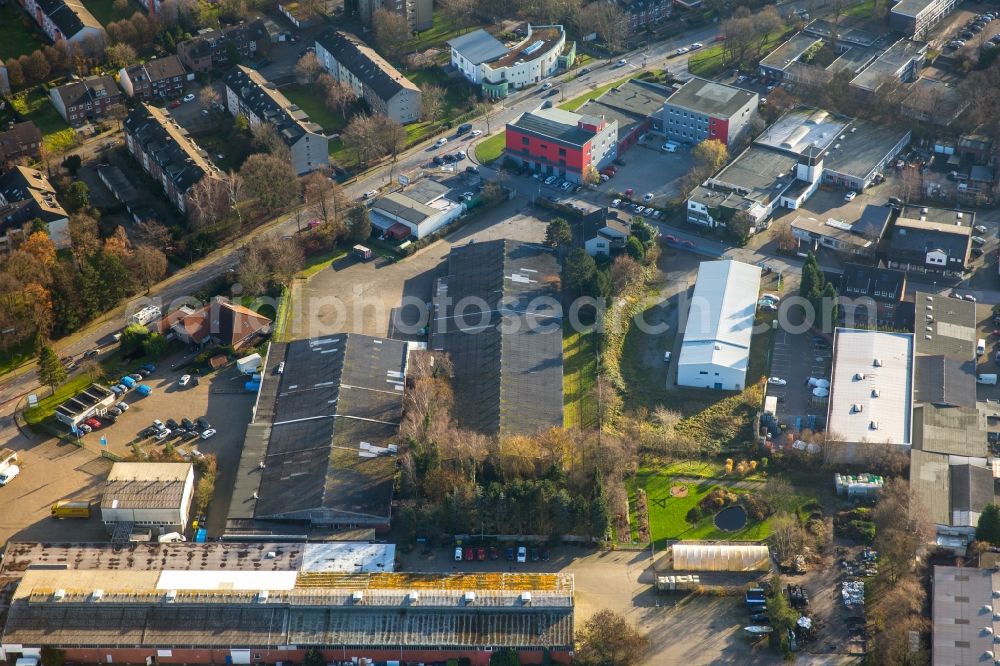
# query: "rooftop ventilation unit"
(171, 596)
(526, 598)
(875, 393)
(413, 597)
(358, 596)
(97, 595)
(857, 408)
(469, 597)
(874, 425)
(877, 363)
(858, 376)
(59, 595)
(262, 596)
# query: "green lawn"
(579, 377)
(307, 100)
(318, 262)
(489, 149)
(441, 31)
(47, 406)
(709, 60)
(667, 514)
(861, 10)
(34, 104)
(16, 356)
(104, 10)
(18, 34)
(577, 102)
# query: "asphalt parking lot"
(360, 297)
(796, 358)
(219, 397)
(649, 170)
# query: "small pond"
(731, 518)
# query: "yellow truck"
(71, 509)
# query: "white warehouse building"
(715, 352)
(147, 495)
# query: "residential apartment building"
(562, 143)
(644, 13)
(160, 77)
(27, 195)
(211, 48)
(19, 140)
(382, 86)
(871, 295)
(86, 100)
(704, 109)
(418, 13)
(250, 94)
(484, 60)
(65, 19)
(915, 18)
(166, 153)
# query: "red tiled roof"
(231, 324)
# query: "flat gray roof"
(889, 63)
(930, 480)
(961, 611)
(788, 52)
(952, 324)
(710, 98)
(912, 8)
(862, 148)
(478, 46)
(957, 431)
(757, 171)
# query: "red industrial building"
(561, 143)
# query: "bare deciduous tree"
(391, 33)
(308, 69)
(431, 102)
(148, 264)
(208, 202)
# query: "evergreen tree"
(50, 370)
(988, 529)
(600, 514)
(558, 233)
(359, 224)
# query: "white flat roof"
(226, 580)
(720, 321)
(872, 387)
(349, 557)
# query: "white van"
(26, 661)
(7, 475)
(980, 347)
(171, 537)
(669, 147)
(986, 379)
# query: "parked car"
(508, 554)
(522, 554)
(438, 160)
(481, 554)
(163, 434)
(191, 434)
(115, 411)
(203, 423)
(477, 132)
(189, 97)
(463, 128)
(440, 142)
(184, 380)
(545, 554)
(472, 169)
(621, 63)
(84, 428)
(116, 389)
(666, 357)
(970, 298)
(206, 434)
(776, 381)
(123, 406)
(494, 553)
(850, 196)
(458, 553)
(469, 555)
(534, 555)
(647, 197)
(172, 424)
(8, 474)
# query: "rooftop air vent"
(857, 408)
(262, 596)
(413, 597)
(874, 425)
(526, 598)
(171, 596)
(97, 595)
(877, 363)
(469, 597)
(59, 595)
(874, 393)
(358, 597)
(858, 376)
